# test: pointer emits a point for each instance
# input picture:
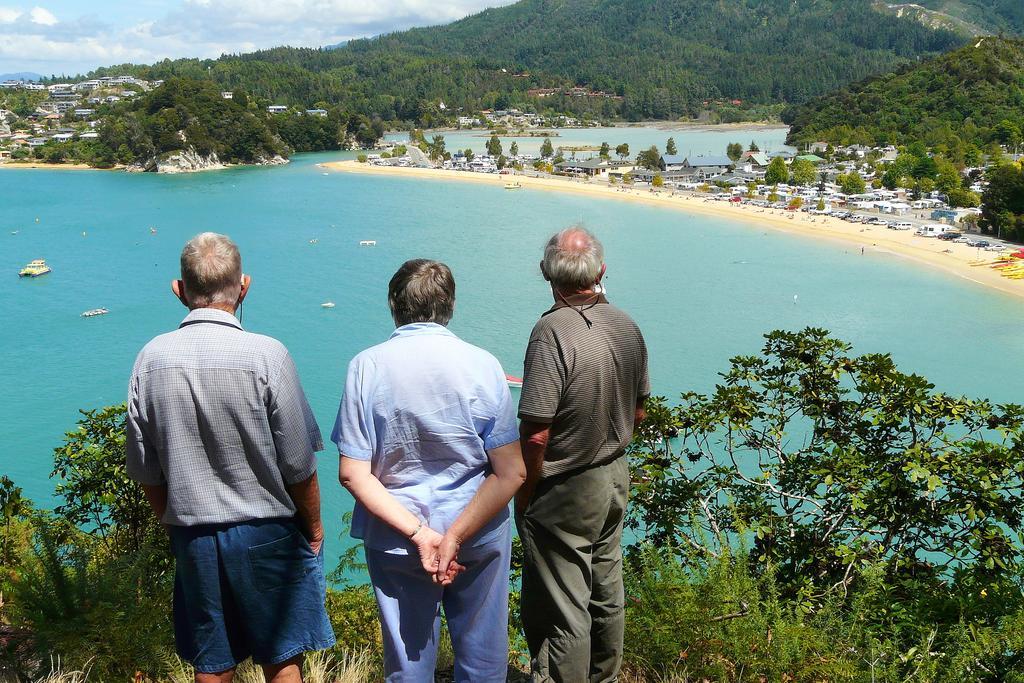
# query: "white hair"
(211, 269)
(573, 263)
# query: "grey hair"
(573, 266)
(211, 269)
(422, 291)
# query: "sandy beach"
(53, 167)
(955, 259)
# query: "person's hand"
(427, 541)
(316, 542)
(448, 566)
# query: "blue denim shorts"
(251, 589)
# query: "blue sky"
(73, 36)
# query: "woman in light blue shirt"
(430, 450)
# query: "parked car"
(980, 244)
(949, 236)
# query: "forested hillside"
(663, 58)
(973, 96)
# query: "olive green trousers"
(573, 603)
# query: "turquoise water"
(690, 141)
(702, 289)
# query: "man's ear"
(544, 272)
(604, 267)
(178, 287)
(246, 281)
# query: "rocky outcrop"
(190, 161)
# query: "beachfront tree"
(502, 162)
(606, 150)
(670, 147)
(658, 181)
(546, 148)
(514, 149)
(803, 172)
(773, 196)
(734, 151)
(777, 172)
(796, 203)
(851, 183)
(468, 153)
(959, 197)
(751, 189)
(494, 146)
(649, 158)
(947, 177)
(820, 206)
(436, 148)
(622, 151)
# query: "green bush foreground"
(818, 517)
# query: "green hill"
(972, 96)
(663, 58)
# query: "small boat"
(152, 231)
(35, 269)
(95, 312)
(367, 243)
(513, 186)
(314, 241)
(15, 232)
(514, 381)
(327, 304)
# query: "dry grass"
(318, 667)
(58, 674)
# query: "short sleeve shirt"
(424, 408)
(219, 416)
(585, 372)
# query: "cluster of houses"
(514, 118)
(49, 121)
(572, 92)
(82, 97)
(740, 180)
(284, 109)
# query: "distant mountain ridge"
(21, 76)
(659, 59)
(975, 17)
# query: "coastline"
(954, 259)
(20, 165)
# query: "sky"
(74, 36)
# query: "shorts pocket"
(280, 563)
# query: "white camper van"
(933, 229)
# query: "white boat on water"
(367, 243)
(327, 304)
(95, 312)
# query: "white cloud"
(43, 16)
(35, 39)
(8, 15)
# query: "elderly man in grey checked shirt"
(223, 441)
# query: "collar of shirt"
(416, 329)
(577, 302)
(212, 315)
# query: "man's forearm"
(157, 497)
(306, 496)
(533, 438)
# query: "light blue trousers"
(475, 605)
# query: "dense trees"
(956, 103)
(851, 183)
(734, 151)
(1002, 210)
(752, 51)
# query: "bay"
(702, 289)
